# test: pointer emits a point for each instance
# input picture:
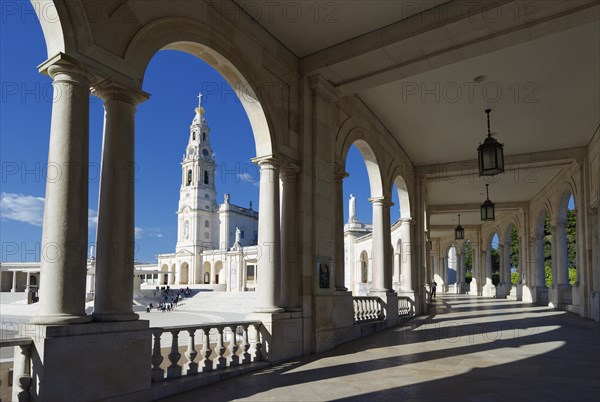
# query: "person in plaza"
(433, 288)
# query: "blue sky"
(162, 126)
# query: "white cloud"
(92, 219)
(248, 178)
(22, 208)
(30, 209)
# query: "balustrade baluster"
(233, 347)
(190, 354)
(22, 373)
(174, 370)
(256, 344)
(207, 364)
(245, 356)
(158, 374)
(220, 361)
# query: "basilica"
(482, 117)
(216, 243)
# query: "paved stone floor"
(467, 349)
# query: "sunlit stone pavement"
(467, 349)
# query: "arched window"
(205, 177)
(194, 135)
(206, 224)
(189, 177)
(203, 136)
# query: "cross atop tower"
(200, 95)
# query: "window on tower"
(189, 177)
(205, 177)
(203, 136)
(194, 135)
(206, 224)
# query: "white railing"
(219, 345)
(367, 308)
(21, 367)
(405, 308)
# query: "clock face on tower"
(205, 152)
(191, 151)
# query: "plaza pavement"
(467, 349)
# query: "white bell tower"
(197, 198)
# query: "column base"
(105, 352)
(281, 335)
(111, 317)
(56, 319)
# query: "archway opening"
(468, 256)
(362, 168)
(451, 266)
(515, 246)
(547, 231)
(184, 273)
(495, 260)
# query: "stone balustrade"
(405, 307)
(21, 367)
(368, 308)
(217, 346)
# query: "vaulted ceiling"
(428, 70)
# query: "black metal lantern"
(459, 232)
(491, 154)
(488, 209)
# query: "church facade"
(212, 238)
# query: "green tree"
(548, 250)
(514, 255)
(495, 266)
(572, 244)
(468, 261)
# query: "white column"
(407, 266)
(505, 264)
(537, 261)
(269, 264)
(339, 257)
(28, 283)
(13, 289)
(65, 228)
(561, 264)
(290, 279)
(460, 270)
(397, 266)
(115, 238)
(381, 245)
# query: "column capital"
(407, 221)
(73, 69)
(384, 201)
(267, 160)
(111, 90)
(339, 173)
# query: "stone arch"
(206, 274)
(207, 44)
(164, 274)
(403, 197)
(171, 275)
(361, 139)
(220, 273)
(184, 273)
(451, 263)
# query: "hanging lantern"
(488, 209)
(459, 232)
(491, 154)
